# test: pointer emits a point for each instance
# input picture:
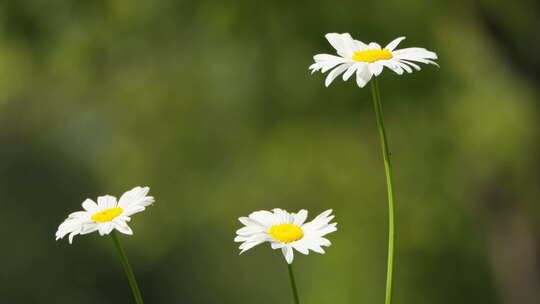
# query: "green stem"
(388, 170)
(127, 268)
(293, 285)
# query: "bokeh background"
(210, 103)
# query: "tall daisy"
(106, 216)
(288, 232)
(367, 61)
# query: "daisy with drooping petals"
(286, 231)
(106, 215)
(367, 60)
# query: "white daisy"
(367, 60)
(106, 215)
(285, 231)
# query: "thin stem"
(388, 170)
(293, 285)
(127, 268)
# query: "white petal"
(89, 205)
(106, 202)
(246, 220)
(102, 229)
(391, 64)
(405, 67)
(414, 65)
(288, 254)
(374, 46)
(315, 67)
(325, 242)
(264, 217)
(414, 53)
(350, 45)
(123, 217)
(398, 70)
(325, 62)
(317, 248)
(136, 196)
(363, 76)
(123, 228)
(326, 57)
(324, 214)
(350, 71)
(341, 43)
(301, 247)
(132, 210)
(360, 45)
(421, 60)
(281, 216)
(71, 235)
(327, 66)
(241, 238)
(69, 226)
(249, 230)
(335, 73)
(318, 227)
(314, 244)
(110, 226)
(300, 217)
(326, 230)
(375, 68)
(335, 40)
(319, 221)
(79, 214)
(392, 45)
(276, 245)
(89, 228)
(248, 245)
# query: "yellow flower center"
(106, 215)
(286, 233)
(372, 55)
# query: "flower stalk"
(128, 270)
(293, 284)
(388, 171)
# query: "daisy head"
(105, 215)
(367, 60)
(286, 231)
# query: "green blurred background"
(210, 103)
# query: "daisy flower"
(285, 231)
(367, 60)
(106, 215)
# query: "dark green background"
(210, 103)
